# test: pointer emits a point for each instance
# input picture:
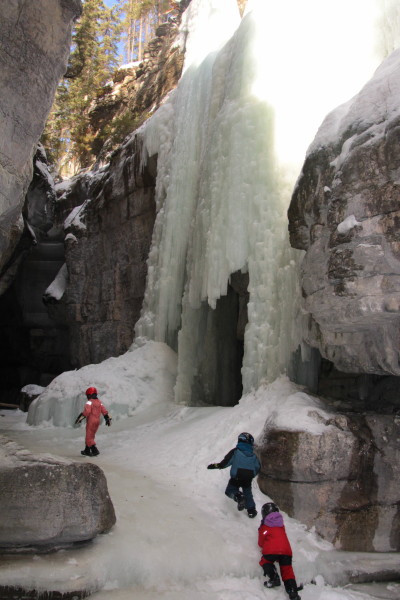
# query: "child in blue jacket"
(244, 467)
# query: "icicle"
(178, 133)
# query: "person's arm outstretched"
(225, 462)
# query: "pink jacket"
(94, 409)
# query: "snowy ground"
(177, 536)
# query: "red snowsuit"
(93, 411)
(275, 545)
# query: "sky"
(177, 536)
(313, 56)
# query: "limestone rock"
(342, 481)
(37, 217)
(108, 238)
(345, 214)
(40, 197)
(33, 56)
(106, 246)
(49, 502)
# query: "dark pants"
(285, 566)
(233, 488)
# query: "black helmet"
(246, 437)
(268, 508)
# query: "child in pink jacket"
(92, 412)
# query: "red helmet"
(90, 391)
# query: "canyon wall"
(338, 476)
(108, 220)
(345, 214)
(35, 44)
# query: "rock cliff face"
(35, 42)
(34, 348)
(110, 211)
(108, 237)
(96, 317)
(342, 480)
(345, 214)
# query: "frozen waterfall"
(221, 196)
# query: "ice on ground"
(177, 535)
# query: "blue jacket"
(243, 462)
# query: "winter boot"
(240, 501)
(272, 574)
(87, 451)
(291, 589)
(273, 582)
(251, 512)
(94, 450)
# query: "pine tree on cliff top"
(68, 139)
(67, 136)
(140, 19)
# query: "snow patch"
(70, 237)
(142, 376)
(63, 186)
(177, 537)
(76, 215)
(349, 223)
(57, 288)
(32, 390)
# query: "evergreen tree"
(141, 17)
(67, 136)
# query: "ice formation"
(126, 384)
(219, 204)
(223, 184)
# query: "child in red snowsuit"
(275, 547)
(92, 412)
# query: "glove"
(79, 419)
(213, 466)
(108, 420)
